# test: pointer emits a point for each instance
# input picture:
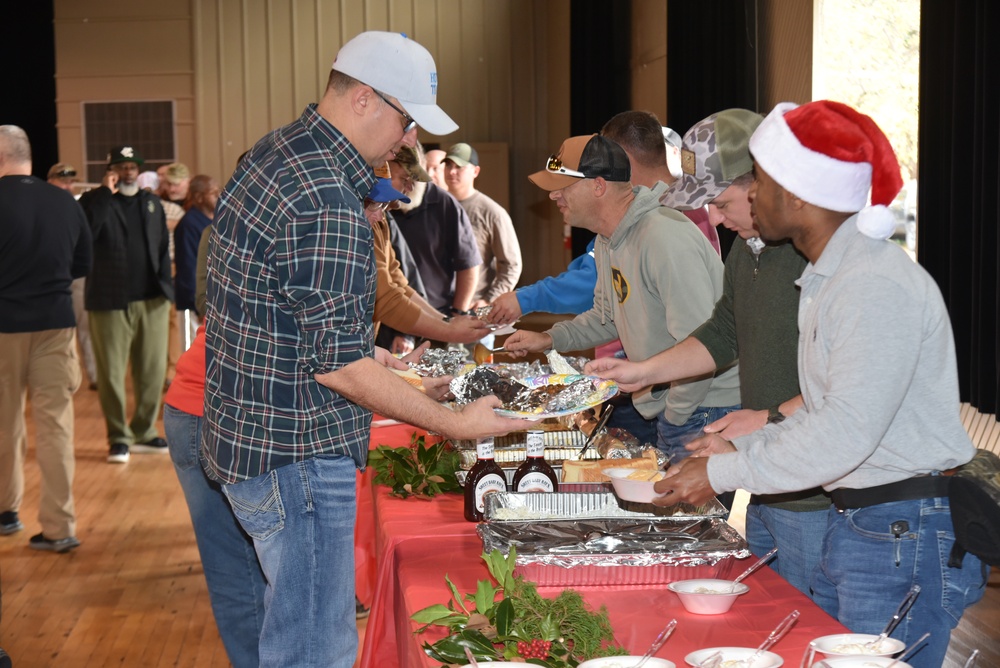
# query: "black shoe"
(360, 611)
(40, 542)
(152, 446)
(118, 453)
(9, 523)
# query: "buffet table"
(419, 542)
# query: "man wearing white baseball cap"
(879, 381)
(292, 372)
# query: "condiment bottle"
(534, 474)
(484, 478)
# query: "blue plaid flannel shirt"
(291, 291)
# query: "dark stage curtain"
(711, 64)
(959, 180)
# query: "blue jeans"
(235, 581)
(301, 519)
(797, 535)
(866, 572)
(672, 438)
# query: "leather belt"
(920, 487)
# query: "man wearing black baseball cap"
(658, 279)
(128, 297)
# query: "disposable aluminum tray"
(597, 502)
(620, 551)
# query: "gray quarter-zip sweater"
(658, 279)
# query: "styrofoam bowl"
(715, 601)
(626, 662)
(850, 644)
(765, 660)
(640, 491)
(859, 662)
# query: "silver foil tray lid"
(636, 541)
(511, 506)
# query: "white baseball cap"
(396, 66)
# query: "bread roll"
(590, 470)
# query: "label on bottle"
(536, 481)
(535, 444)
(484, 448)
(489, 483)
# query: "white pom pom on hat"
(831, 155)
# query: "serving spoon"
(754, 566)
(908, 650)
(777, 634)
(658, 643)
(481, 354)
(901, 611)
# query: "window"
(148, 126)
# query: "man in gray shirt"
(880, 422)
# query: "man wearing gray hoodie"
(657, 280)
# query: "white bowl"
(497, 663)
(640, 491)
(850, 644)
(626, 662)
(707, 597)
(765, 660)
(860, 662)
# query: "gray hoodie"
(658, 279)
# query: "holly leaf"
(504, 617)
(432, 614)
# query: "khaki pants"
(138, 335)
(43, 366)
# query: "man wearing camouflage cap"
(128, 297)
(754, 321)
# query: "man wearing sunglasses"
(658, 278)
(292, 372)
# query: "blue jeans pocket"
(183, 432)
(257, 505)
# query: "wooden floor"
(134, 595)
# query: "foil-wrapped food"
(437, 362)
(518, 396)
(593, 551)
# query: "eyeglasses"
(408, 122)
(64, 173)
(555, 166)
(376, 206)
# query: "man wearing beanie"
(755, 321)
(292, 373)
(128, 297)
(658, 278)
(880, 422)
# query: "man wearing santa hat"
(879, 381)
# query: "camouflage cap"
(715, 152)
(408, 159)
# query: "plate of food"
(554, 395)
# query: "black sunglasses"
(408, 122)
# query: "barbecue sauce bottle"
(484, 478)
(534, 474)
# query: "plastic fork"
(901, 611)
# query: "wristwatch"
(774, 415)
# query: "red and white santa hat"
(831, 155)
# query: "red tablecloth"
(365, 550)
(422, 541)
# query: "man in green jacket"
(755, 321)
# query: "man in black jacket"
(129, 292)
(44, 245)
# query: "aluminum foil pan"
(566, 505)
(595, 551)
